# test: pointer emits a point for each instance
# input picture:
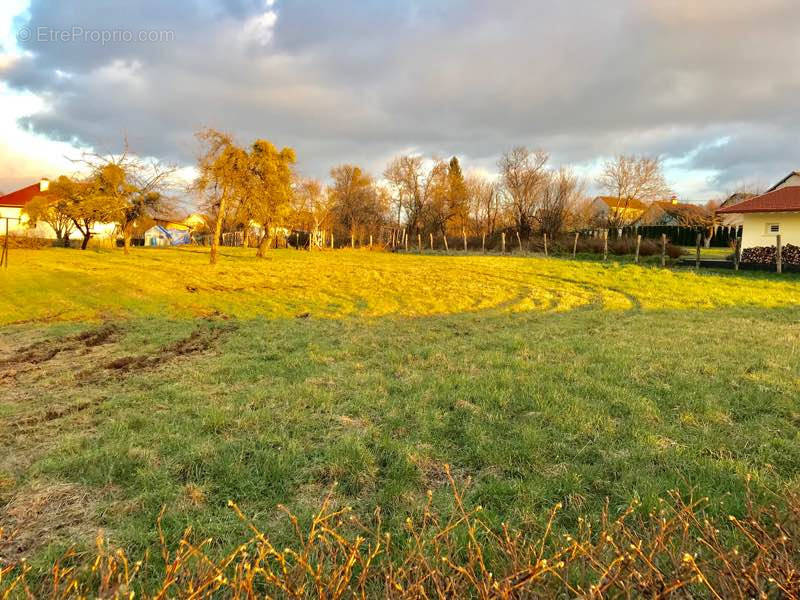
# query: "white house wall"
(754, 232)
(43, 230)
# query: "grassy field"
(132, 383)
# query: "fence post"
(737, 253)
(503, 243)
(663, 249)
(464, 233)
(697, 257)
(575, 245)
(605, 244)
(778, 254)
(419, 242)
(483, 242)
(638, 243)
(545, 244)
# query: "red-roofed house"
(11, 205)
(777, 212)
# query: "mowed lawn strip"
(539, 381)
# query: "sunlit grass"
(538, 380)
(69, 285)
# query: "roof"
(630, 204)
(21, 197)
(737, 198)
(668, 206)
(785, 199)
(782, 181)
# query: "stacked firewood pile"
(765, 255)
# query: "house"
(776, 212)
(196, 221)
(168, 234)
(791, 180)
(11, 206)
(620, 211)
(671, 213)
(733, 219)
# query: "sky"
(712, 87)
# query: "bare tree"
(559, 198)
(522, 173)
(312, 208)
(484, 203)
(407, 178)
(631, 179)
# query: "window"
(773, 228)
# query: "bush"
(26, 241)
(625, 246)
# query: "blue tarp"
(175, 237)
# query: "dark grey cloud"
(360, 81)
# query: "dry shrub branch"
(677, 551)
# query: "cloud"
(360, 81)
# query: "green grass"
(538, 380)
(709, 253)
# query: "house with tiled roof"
(733, 219)
(11, 206)
(623, 211)
(670, 212)
(775, 212)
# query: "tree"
(523, 173)
(355, 201)
(631, 179)
(223, 174)
(311, 209)
(406, 175)
(703, 220)
(268, 188)
(457, 203)
(50, 209)
(134, 187)
(436, 213)
(84, 202)
(559, 198)
(484, 203)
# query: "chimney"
(44, 184)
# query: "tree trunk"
(85, 241)
(262, 246)
(217, 231)
(126, 244)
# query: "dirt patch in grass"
(200, 340)
(42, 513)
(32, 356)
